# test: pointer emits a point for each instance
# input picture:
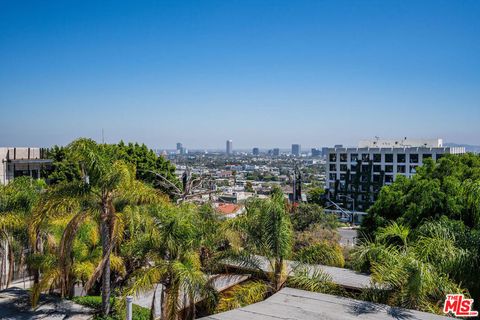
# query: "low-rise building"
(17, 162)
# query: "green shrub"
(95, 302)
(325, 253)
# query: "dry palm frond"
(316, 281)
(48, 280)
(242, 295)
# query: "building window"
(333, 157)
(343, 167)
(388, 178)
(354, 157)
(414, 158)
(388, 157)
(377, 168)
(439, 156)
(333, 176)
(413, 169)
(333, 167)
(353, 167)
(342, 177)
(401, 158)
(400, 169)
(365, 157)
(376, 178)
(365, 167)
(377, 157)
(343, 157)
(427, 156)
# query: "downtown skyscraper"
(229, 147)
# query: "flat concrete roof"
(344, 277)
(294, 304)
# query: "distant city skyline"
(265, 74)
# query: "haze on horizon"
(262, 73)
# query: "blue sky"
(262, 73)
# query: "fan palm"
(107, 187)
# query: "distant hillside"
(468, 147)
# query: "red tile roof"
(227, 208)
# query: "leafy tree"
(447, 191)
(315, 195)
(249, 187)
(145, 160)
(62, 168)
(449, 187)
(306, 215)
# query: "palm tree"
(17, 200)
(173, 261)
(413, 269)
(107, 187)
(267, 231)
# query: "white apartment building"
(16, 162)
(358, 173)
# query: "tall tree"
(267, 231)
(106, 186)
(17, 201)
(174, 260)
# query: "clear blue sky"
(262, 73)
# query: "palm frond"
(315, 281)
(242, 295)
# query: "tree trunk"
(37, 249)
(105, 235)
(164, 303)
(278, 274)
(11, 264)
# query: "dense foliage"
(413, 268)
(449, 187)
(306, 215)
(103, 226)
(429, 224)
(146, 162)
(324, 253)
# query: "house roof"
(294, 304)
(227, 208)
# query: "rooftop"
(400, 143)
(296, 304)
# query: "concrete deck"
(15, 305)
(296, 304)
